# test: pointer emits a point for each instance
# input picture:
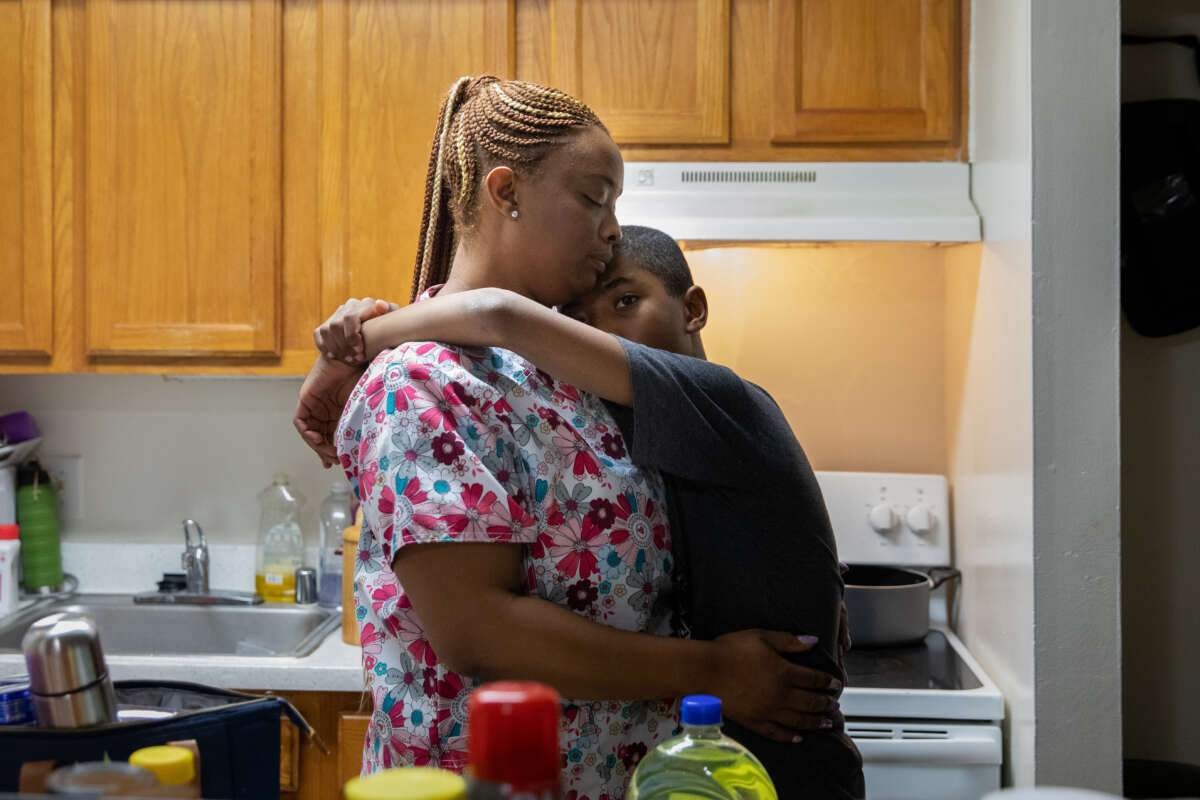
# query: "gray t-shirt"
(750, 533)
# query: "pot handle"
(946, 574)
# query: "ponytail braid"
(484, 122)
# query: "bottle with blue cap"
(701, 763)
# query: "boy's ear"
(501, 188)
(695, 309)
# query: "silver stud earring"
(515, 214)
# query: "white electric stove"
(926, 717)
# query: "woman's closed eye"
(589, 198)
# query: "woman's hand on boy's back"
(763, 691)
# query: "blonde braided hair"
(487, 122)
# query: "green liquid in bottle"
(700, 764)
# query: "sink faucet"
(195, 558)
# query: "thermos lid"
(62, 652)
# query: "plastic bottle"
(10, 549)
(407, 783)
(701, 763)
(337, 513)
(37, 514)
(513, 749)
(280, 542)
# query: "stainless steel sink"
(270, 629)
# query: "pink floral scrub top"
(446, 444)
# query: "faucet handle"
(188, 526)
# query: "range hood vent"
(748, 176)
(869, 202)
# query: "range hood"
(801, 202)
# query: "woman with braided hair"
(506, 532)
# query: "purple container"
(17, 427)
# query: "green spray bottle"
(37, 515)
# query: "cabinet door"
(352, 734)
(386, 65)
(183, 191)
(26, 266)
(656, 71)
(864, 70)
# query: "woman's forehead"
(591, 151)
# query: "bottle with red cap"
(513, 742)
(10, 548)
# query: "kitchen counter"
(333, 667)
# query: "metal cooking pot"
(890, 605)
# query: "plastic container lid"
(407, 783)
(105, 777)
(514, 734)
(701, 709)
(9, 532)
(171, 765)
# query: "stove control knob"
(881, 518)
(920, 519)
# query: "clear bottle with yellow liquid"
(701, 763)
(280, 541)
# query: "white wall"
(1160, 465)
(990, 377)
(156, 451)
(1076, 453)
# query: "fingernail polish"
(797, 739)
(826, 724)
(808, 639)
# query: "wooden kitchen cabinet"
(197, 185)
(830, 80)
(655, 72)
(182, 202)
(864, 70)
(305, 772)
(26, 279)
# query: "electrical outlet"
(67, 472)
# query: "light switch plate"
(67, 472)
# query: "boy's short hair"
(658, 254)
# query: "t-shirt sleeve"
(699, 420)
(429, 467)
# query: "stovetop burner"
(932, 664)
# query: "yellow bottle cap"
(407, 783)
(171, 765)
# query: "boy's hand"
(322, 398)
(339, 338)
(765, 692)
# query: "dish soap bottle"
(701, 763)
(337, 514)
(280, 542)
